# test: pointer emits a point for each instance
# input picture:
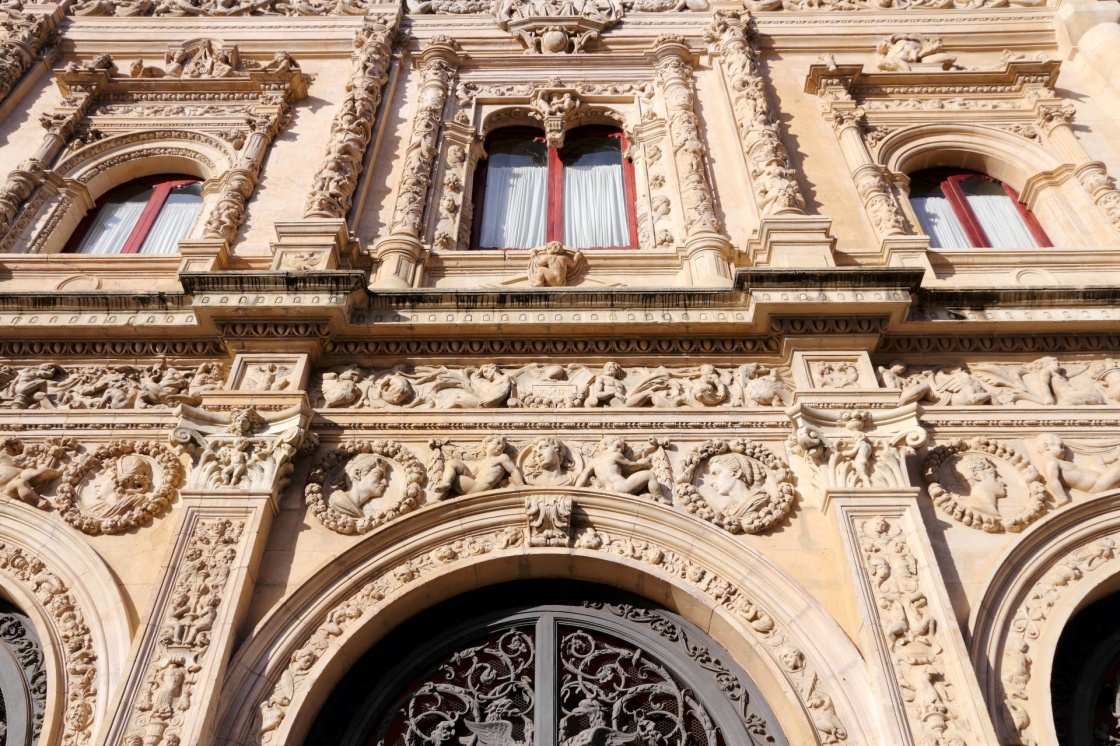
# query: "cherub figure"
(854, 451)
(708, 388)
(20, 482)
(484, 473)
(607, 388)
(235, 460)
(552, 265)
(1062, 473)
(610, 464)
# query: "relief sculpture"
(985, 484)
(541, 386)
(51, 386)
(737, 484)
(26, 470)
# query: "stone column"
(708, 252)
(399, 253)
(1054, 120)
(859, 460)
(241, 460)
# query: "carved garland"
(957, 506)
(104, 461)
(773, 500)
(411, 496)
(79, 658)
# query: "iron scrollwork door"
(601, 675)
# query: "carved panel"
(119, 486)
(51, 386)
(27, 470)
(549, 519)
(739, 485)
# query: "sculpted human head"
(368, 478)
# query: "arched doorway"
(548, 663)
(1085, 685)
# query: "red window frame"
(161, 187)
(554, 222)
(949, 181)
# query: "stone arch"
(1046, 185)
(1059, 565)
(68, 593)
(81, 178)
(808, 671)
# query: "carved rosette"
(359, 486)
(968, 479)
(119, 487)
(739, 485)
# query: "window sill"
(77, 272)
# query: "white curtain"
(595, 207)
(997, 214)
(939, 222)
(113, 224)
(515, 206)
(174, 220)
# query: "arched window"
(581, 195)
(145, 216)
(548, 663)
(964, 209)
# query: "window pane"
(115, 220)
(515, 201)
(174, 220)
(997, 214)
(937, 218)
(595, 212)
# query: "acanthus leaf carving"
(221, 8)
(549, 520)
(738, 484)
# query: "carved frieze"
(538, 386)
(167, 694)
(119, 486)
(1044, 382)
(158, 386)
(356, 487)
(739, 485)
(1055, 460)
(985, 484)
(221, 8)
(756, 6)
(905, 52)
(554, 26)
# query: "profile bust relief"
(358, 486)
(738, 484)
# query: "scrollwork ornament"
(739, 485)
(131, 483)
(361, 485)
(992, 471)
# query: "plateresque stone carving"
(220, 8)
(50, 386)
(360, 485)
(549, 519)
(452, 472)
(184, 639)
(554, 266)
(547, 462)
(119, 486)
(26, 470)
(1062, 474)
(739, 485)
(985, 484)
(612, 465)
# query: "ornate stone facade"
(877, 464)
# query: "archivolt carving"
(986, 472)
(739, 485)
(119, 486)
(77, 649)
(358, 486)
(50, 386)
(549, 520)
(537, 386)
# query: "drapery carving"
(165, 696)
(773, 178)
(352, 129)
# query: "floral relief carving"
(1043, 382)
(549, 519)
(352, 128)
(119, 486)
(77, 651)
(27, 470)
(274, 708)
(167, 692)
(756, 6)
(738, 484)
(968, 480)
(360, 485)
(539, 386)
(1029, 620)
(911, 633)
(51, 386)
(792, 662)
(774, 179)
(18, 637)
